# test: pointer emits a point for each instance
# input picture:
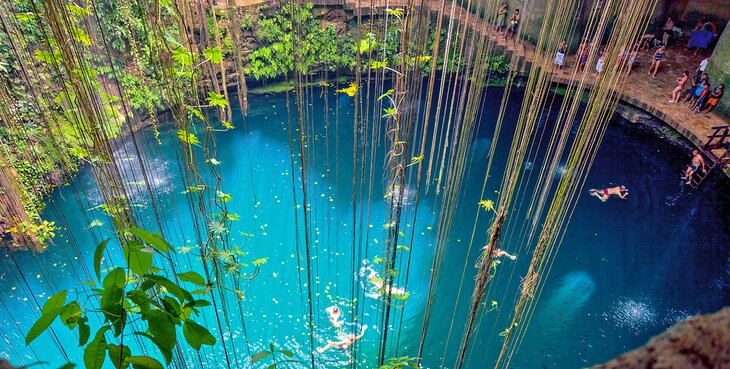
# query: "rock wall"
(533, 14)
(719, 70)
(686, 13)
(700, 342)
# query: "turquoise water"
(626, 270)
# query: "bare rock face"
(337, 18)
(700, 342)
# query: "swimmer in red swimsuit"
(606, 193)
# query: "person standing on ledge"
(559, 61)
(606, 193)
(703, 65)
(681, 83)
(667, 31)
(632, 59)
(502, 18)
(658, 55)
(514, 22)
(697, 162)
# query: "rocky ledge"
(700, 342)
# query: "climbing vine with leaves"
(136, 300)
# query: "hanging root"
(529, 282)
(496, 232)
(482, 279)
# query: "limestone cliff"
(700, 342)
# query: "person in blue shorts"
(697, 162)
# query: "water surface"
(626, 270)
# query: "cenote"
(625, 271)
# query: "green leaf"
(144, 362)
(195, 112)
(272, 366)
(161, 328)
(70, 314)
(192, 277)
(98, 254)
(151, 239)
(216, 99)
(223, 197)
(111, 299)
(171, 306)
(200, 303)
(171, 287)
(167, 354)
(51, 309)
(54, 302)
(96, 223)
(197, 335)
(39, 327)
(187, 137)
(95, 351)
(84, 331)
(139, 298)
(183, 56)
(271, 347)
(259, 356)
(118, 355)
(214, 54)
(139, 262)
(287, 353)
(67, 366)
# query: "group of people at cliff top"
(699, 96)
(509, 31)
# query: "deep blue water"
(626, 270)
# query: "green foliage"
(138, 292)
(43, 230)
(215, 99)
(316, 48)
(274, 353)
(214, 54)
(400, 363)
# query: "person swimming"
(379, 283)
(497, 253)
(334, 314)
(606, 193)
(344, 344)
